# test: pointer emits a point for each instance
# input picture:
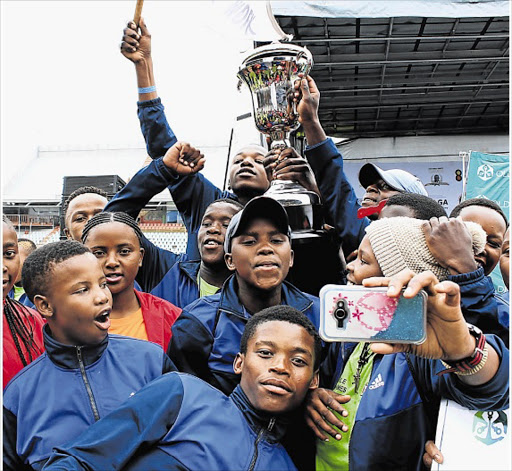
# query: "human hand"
(287, 164)
(134, 46)
(183, 159)
(307, 97)
(432, 453)
(450, 243)
(448, 336)
(320, 403)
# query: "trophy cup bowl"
(270, 73)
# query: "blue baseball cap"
(259, 207)
(397, 179)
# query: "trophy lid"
(277, 49)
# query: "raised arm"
(448, 337)
(180, 159)
(451, 245)
(136, 47)
(338, 195)
(192, 192)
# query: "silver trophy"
(270, 73)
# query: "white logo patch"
(485, 172)
(377, 382)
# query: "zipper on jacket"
(257, 442)
(87, 385)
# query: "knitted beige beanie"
(399, 243)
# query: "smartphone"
(360, 314)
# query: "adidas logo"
(377, 382)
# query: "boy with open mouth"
(181, 422)
(84, 373)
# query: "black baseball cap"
(259, 207)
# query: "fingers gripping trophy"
(270, 73)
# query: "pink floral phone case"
(356, 313)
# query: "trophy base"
(303, 206)
(316, 261)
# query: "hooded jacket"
(182, 423)
(68, 388)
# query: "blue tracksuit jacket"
(503, 308)
(398, 411)
(479, 305)
(179, 422)
(338, 196)
(65, 390)
(206, 336)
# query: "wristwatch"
(472, 364)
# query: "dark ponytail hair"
(17, 316)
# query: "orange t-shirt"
(130, 326)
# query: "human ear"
(229, 261)
(292, 255)
(43, 306)
(238, 363)
(141, 256)
(315, 382)
(67, 233)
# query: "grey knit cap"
(400, 243)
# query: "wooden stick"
(138, 12)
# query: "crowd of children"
(134, 357)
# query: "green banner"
(489, 177)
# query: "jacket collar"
(274, 426)
(66, 356)
(190, 268)
(290, 295)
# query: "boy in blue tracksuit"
(206, 335)
(84, 374)
(181, 422)
(176, 277)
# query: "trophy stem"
(279, 139)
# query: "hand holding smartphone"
(361, 314)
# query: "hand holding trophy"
(270, 72)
